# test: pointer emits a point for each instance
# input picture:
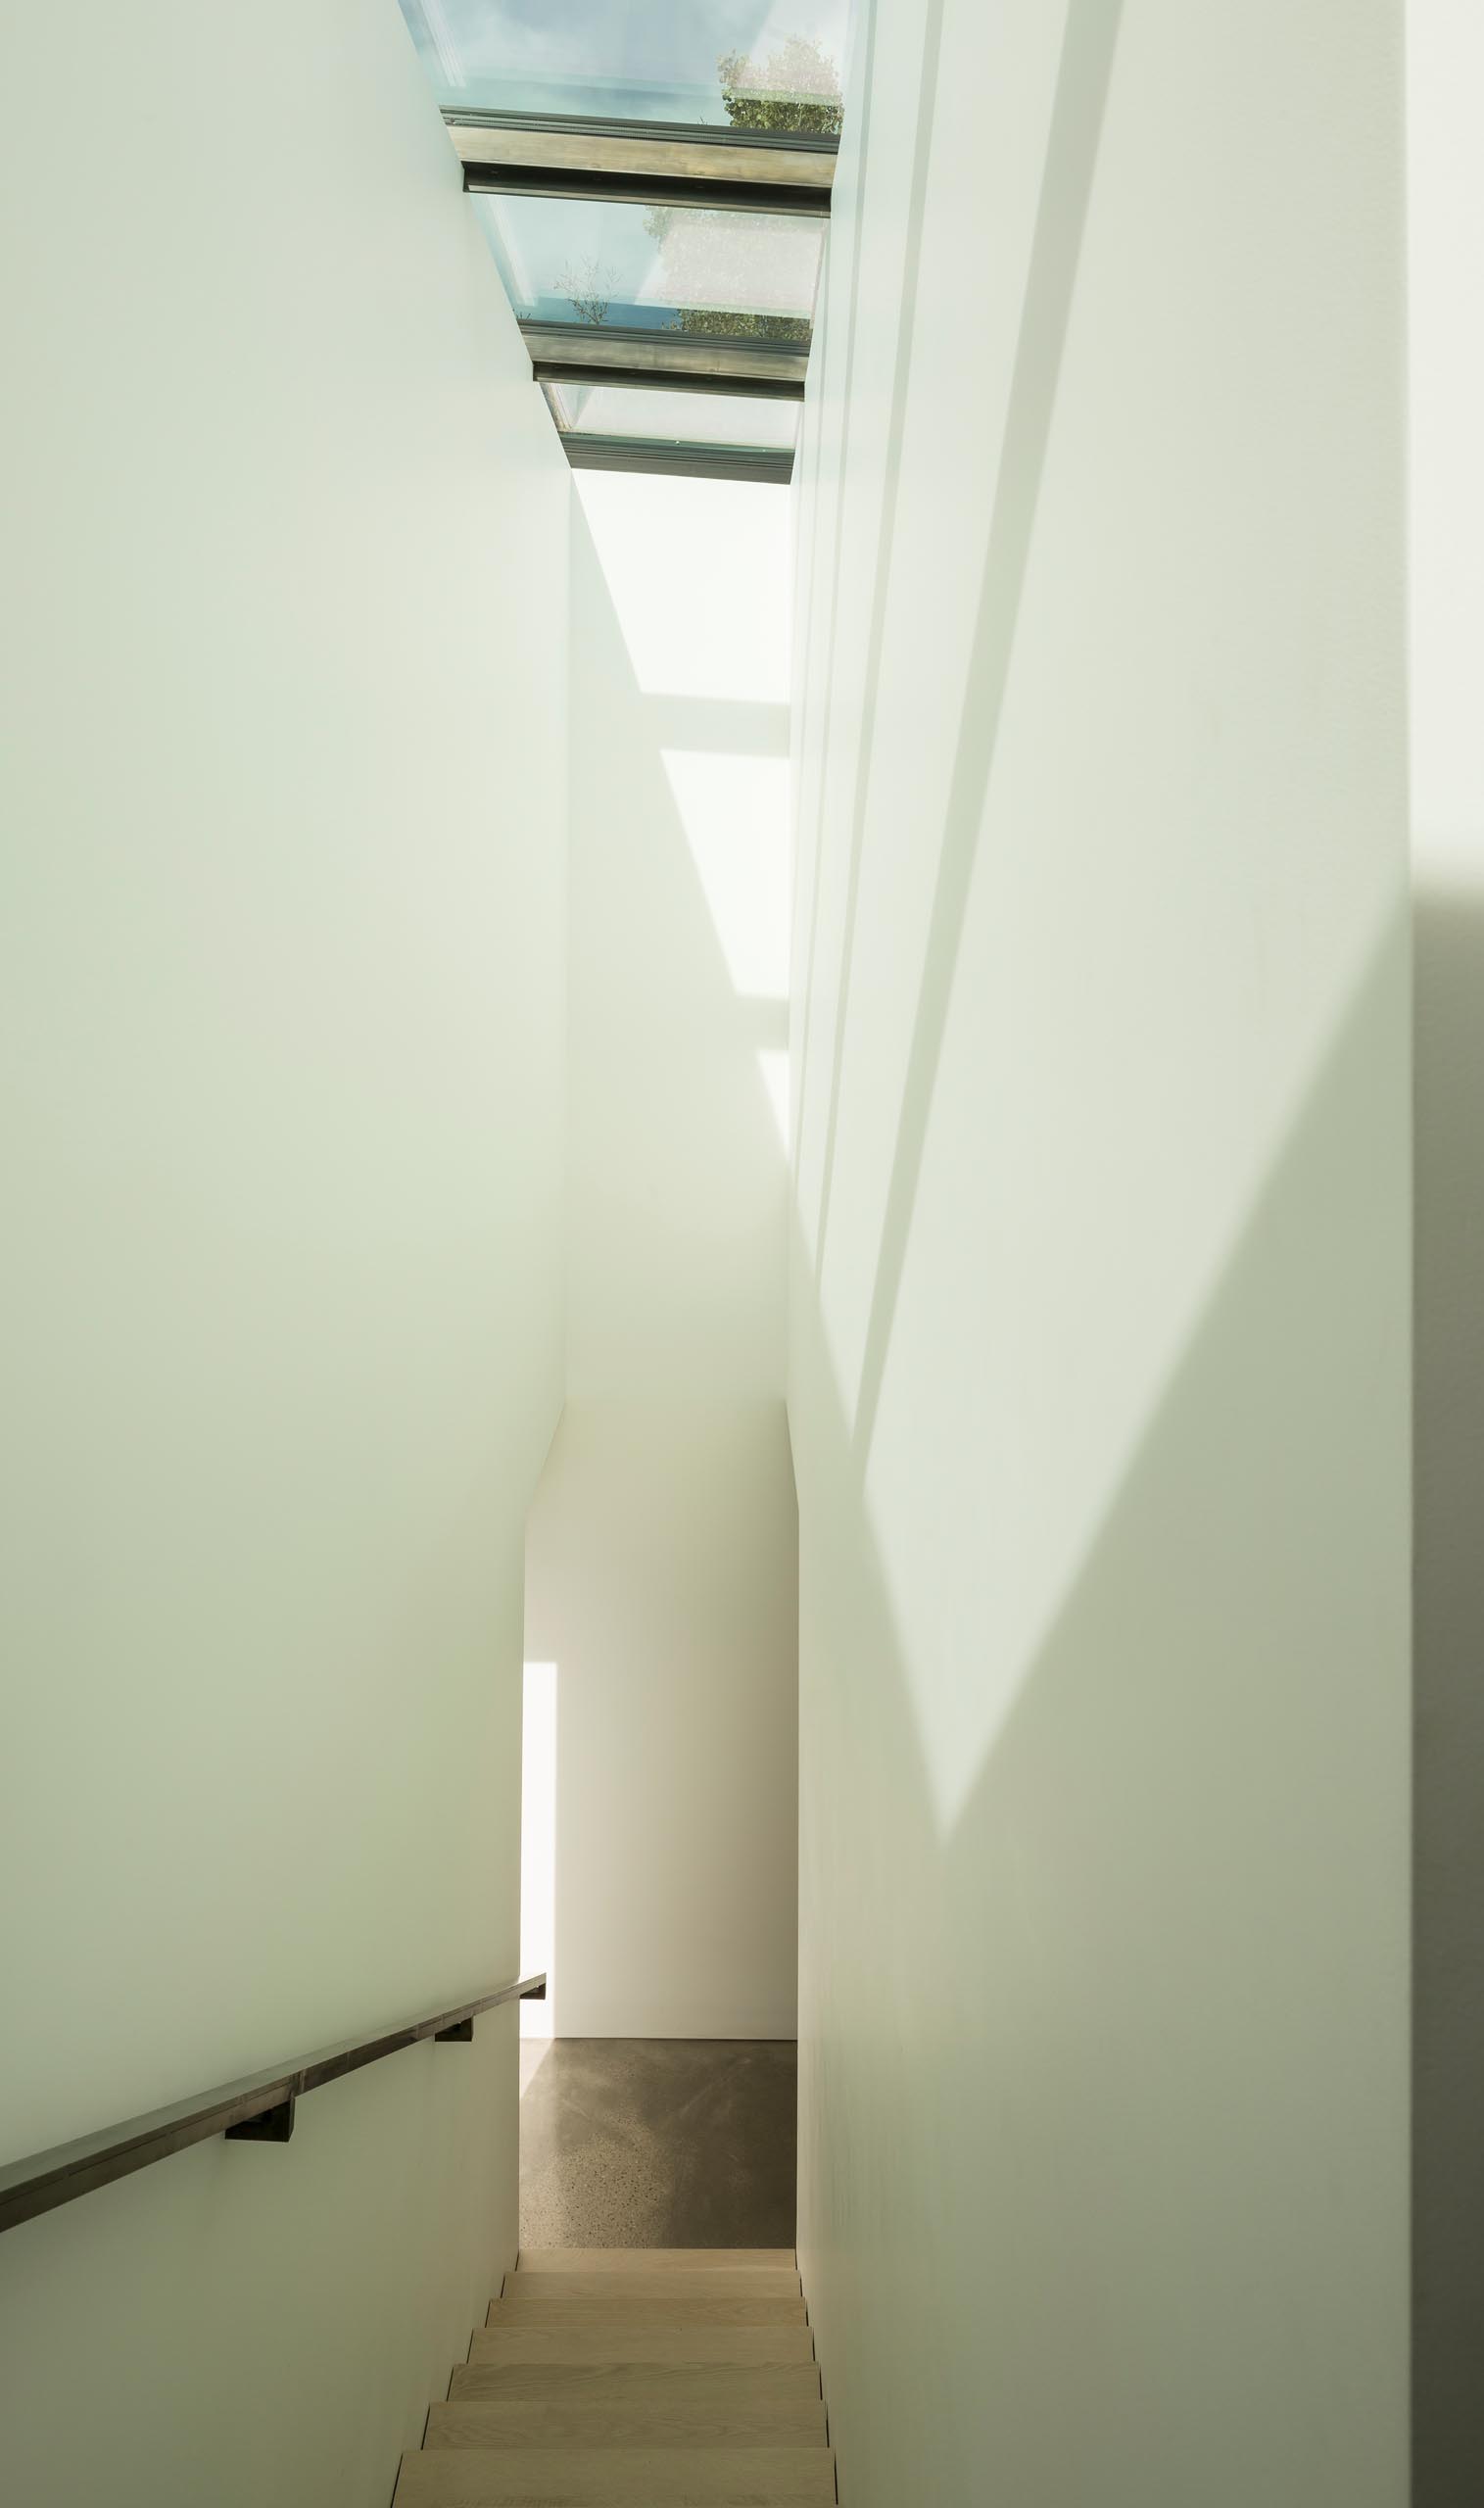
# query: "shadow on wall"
(1082, 96)
(1127, 2215)
(1089, 47)
(1449, 1636)
(1111, 1969)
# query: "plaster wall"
(283, 931)
(1099, 1379)
(661, 1579)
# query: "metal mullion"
(646, 190)
(761, 463)
(679, 356)
(721, 159)
(624, 378)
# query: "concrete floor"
(657, 2142)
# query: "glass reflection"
(733, 274)
(742, 62)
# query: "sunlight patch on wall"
(773, 1063)
(537, 1842)
(735, 812)
(694, 628)
(981, 1569)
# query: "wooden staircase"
(645, 2377)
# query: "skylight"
(653, 180)
(722, 61)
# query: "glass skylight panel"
(653, 179)
(675, 418)
(612, 266)
(745, 64)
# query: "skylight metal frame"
(764, 465)
(642, 190)
(674, 361)
(683, 164)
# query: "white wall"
(1099, 1380)
(1445, 238)
(285, 600)
(663, 1573)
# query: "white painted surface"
(1099, 1376)
(285, 591)
(538, 1841)
(662, 1574)
(662, 1579)
(1446, 234)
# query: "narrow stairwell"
(672, 2377)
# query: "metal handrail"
(258, 2108)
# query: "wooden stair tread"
(568, 2302)
(630, 2381)
(555, 2289)
(755, 2347)
(677, 2421)
(636, 2477)
(658, 2383)
(656, 2259)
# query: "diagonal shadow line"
(868, 68)
(1448, 1758)
(1083, 77)
(808, 461)
(927, 116)
(810, 452)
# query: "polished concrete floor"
(657, 2142)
